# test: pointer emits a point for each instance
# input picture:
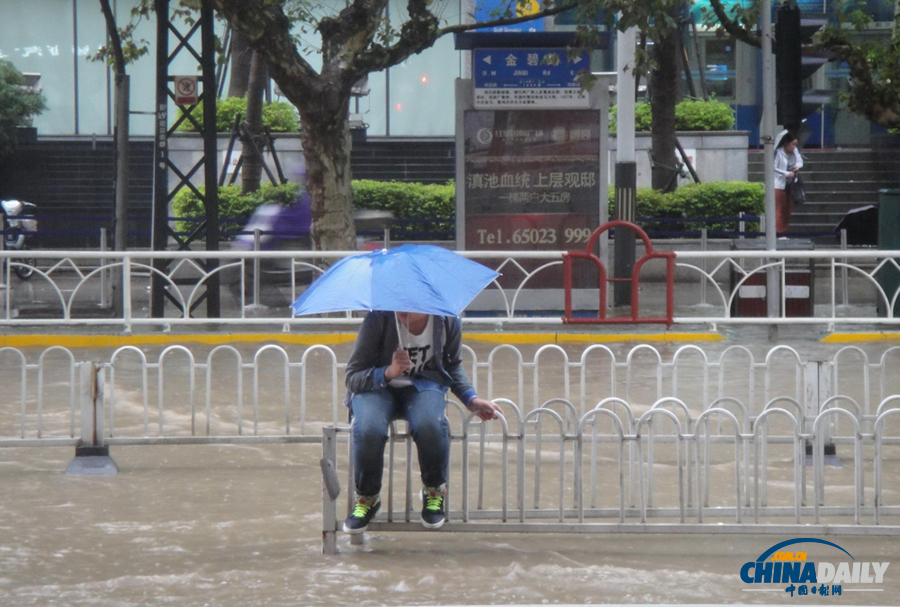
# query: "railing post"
(845, 296)
(704, 245)
(256, 266)
(92, 455)
(2, 248)
(104, 300)
(331, 489)
(126, 292)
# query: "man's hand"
(484, 409)
(399, 364)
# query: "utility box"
(799, 283)
(888, 276)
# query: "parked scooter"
(20, 222)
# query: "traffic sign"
(186, 90)
(535, 77)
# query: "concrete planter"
(718, 155)
(186, 149)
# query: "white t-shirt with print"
(420, 349)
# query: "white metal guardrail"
(598, 441)
(573, 464)
(272, 393)
(69, 286)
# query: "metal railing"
(601, 442)
(573, 465)
(584, 462)
(272, 393)
(68, 288)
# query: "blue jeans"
(372, 414)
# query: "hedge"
(278, 116)
(428, 212)
(690, 115)
(234, 208)
(421, 212)
(698, 200)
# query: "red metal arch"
(649, 254)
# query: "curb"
(311, 339)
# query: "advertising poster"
(532, 179)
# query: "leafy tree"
(18, 105)
(874, 64)
(660, 21)
(356, 41)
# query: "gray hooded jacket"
(374, 350)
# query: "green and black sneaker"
(433, 515)
(363, 512)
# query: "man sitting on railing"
(401, 367)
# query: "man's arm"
(460, 384)
(363, 371)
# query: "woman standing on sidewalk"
(787, 162)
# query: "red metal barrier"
(588, 255)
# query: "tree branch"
(547, 12)
(732, 27)
(114, 38)
(268, 30)
(421, 31)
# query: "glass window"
(37, 38)
(720, 67)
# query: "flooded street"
(240, 525)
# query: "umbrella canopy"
(410, 278)
(861, 224)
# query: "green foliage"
(642, 117)
(698, 115)
(232, 204)
(696, 200)
(279, 116)
(690, 115)
(17, 105)
(431, 207)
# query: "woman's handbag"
(796, 190)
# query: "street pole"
(767, 134)
(626, 168)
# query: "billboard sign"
(532, 178)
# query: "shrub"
(17, 105)
(234, 208)
(697, 115)
(419, 210)
(690, 115)
(278, 116)
(720, 199)
(697, 200)
(642, 117)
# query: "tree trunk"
(251, 139)
(241, 56)
(666, 86)
(326, 147)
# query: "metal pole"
(256, 265)
(103, 286)
(626, 168)
(767, 134)
(845, 296)
(75, 60)
(210, 152)
(120, 237)
(161, 158)
(703, 247)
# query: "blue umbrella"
(409, 278)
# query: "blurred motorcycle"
(281, 228)
(20, 222)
